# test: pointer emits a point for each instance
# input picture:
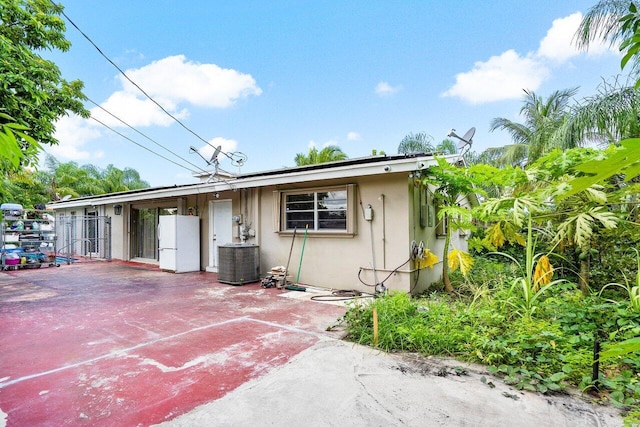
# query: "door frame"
(91, 232)
(212, 262)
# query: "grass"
(545, 351)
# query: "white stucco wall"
(330, 261)
(334, 261)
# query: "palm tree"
(331, 153)
(602, 22)
(539, 132)
(618, 23)
(607, 117)
(419, 142)
(447, 146)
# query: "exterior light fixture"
(117, 209)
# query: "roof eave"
(337, 170)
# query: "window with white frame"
(326, 210)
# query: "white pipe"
(373, 254)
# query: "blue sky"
(272, 78)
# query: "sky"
(270, 79)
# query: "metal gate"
(87, 236)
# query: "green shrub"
(544, 353)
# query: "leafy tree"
(331, 153)
(11, 133)
(88, 180)
(543, 118)
(606, 117)
(22, 187)
(573, 206)
(602, 22)
(114, 179)
(33, 93)
(447, 146)
(630, 46)
(419, 142)
(451, 185)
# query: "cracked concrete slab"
(335, 383)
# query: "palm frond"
(602, 22)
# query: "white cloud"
(73, 132)
(175, 83)
(501, 77)
(559, 44)
(172, 82)
(354, 136)
(135, 111)
(177, 80)
(385, 89)
(504, 76)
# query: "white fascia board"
(403, 165)
(348, 171)
(143, 195)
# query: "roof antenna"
(465, 141)
(214, 157)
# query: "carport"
(122, 343)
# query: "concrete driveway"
(126, 344)
(116, 344)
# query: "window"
(326, 210)
(427, 208)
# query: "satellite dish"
(466, 140)
(214, 156)
(469, 135)
(65, 198)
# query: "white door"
(91, 234)
(220, 229)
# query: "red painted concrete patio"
(115, 343)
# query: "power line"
(142, 146)
(131, 81)
(145, 136)
(237, 158)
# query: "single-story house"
(363, 219)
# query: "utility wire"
(142, 146)
(134, 83)
(145, 136)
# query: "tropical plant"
(604, 118)
(618, 161)
(535, 278)
(539, 132)
(612, 350)
(615, 22)
(33, 92)
(12, 140)
(23, 187)
(632, 289)
(330, 153)
(447, 146)
(451, 185)
(420, 142)
(602, 22)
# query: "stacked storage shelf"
(28, 238)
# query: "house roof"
(364, 166)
